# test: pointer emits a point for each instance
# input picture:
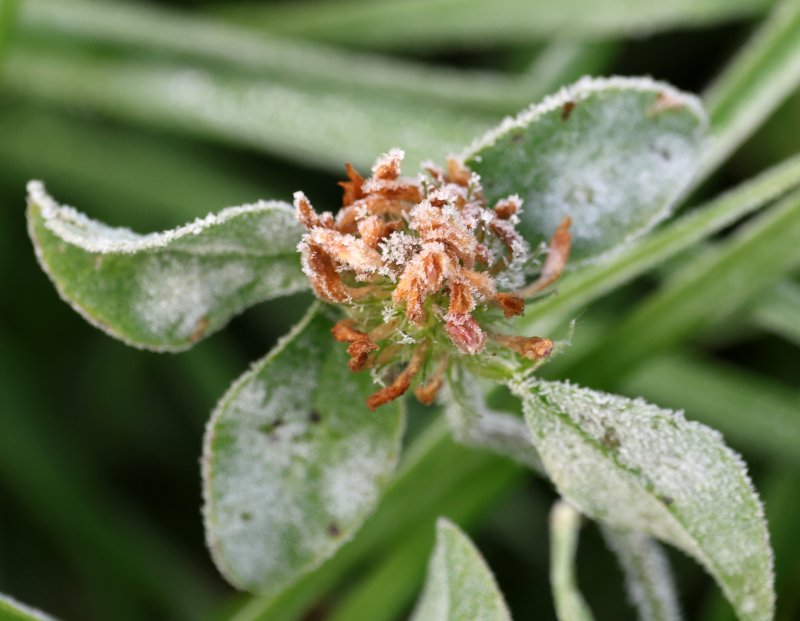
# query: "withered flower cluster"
(425, 271)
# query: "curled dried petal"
(465, 333)
(352, 187)
(402, 382)
(344, 331)
(306, 214)
(322, 274)
(359, 353)
(424, 274)
(457, 172)
(530, 347)
(387, 166)
(461, 300)
(511, 304)
(426, 393)
(347, 250)
(557, 256)
(507, 207)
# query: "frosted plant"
(430, 281)
(416, 265)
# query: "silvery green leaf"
(633, 465)
(460, 586)
(165, 291)
(294, 461)
(613, 154)
(12, 610)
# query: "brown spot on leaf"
(566, 110)
(611, 438)
(667, 500)
(314, 417)
(334, 530)
(200, 329)
(665, 101)
(517, 137)
(270, 427)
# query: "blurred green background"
(150, 114)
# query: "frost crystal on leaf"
(425, 269)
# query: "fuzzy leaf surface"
(612, 154)
(294, 461)
(633, 465)
(165, 291)
(460, 586)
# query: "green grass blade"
(103, 165)
(576, 290)
(431, 24)
(648, 577)
(139, 26)
(759, 78)
(778, 311)
(322, 127)
(706, 291)
(756, 414)
(564, 526)
(12, 610)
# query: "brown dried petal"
(387, 166)
(557, 257)
(533, 347)
(344, 331)
(457, 172)
(401, 383)
(322, 274)
(424, 274)
(347, 250)
(481, 283)
(359, 353)
(465, 333)
(306, 214)
(461, 300)
(511, 303)
(506, 207)
(352, 188)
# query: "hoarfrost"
(615, 166)
(293, 463)
(164, 291)
(460, 586)
(640, 467)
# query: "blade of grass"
(755, 82)
(432, 24)
(726, 279)
(565, 523)
(585, 285)
(320, 127)
(778, 311)
(90, 522)
(108, 165)
(149, 27)
(756, 414)
(385, 592)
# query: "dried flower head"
(425, 271)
